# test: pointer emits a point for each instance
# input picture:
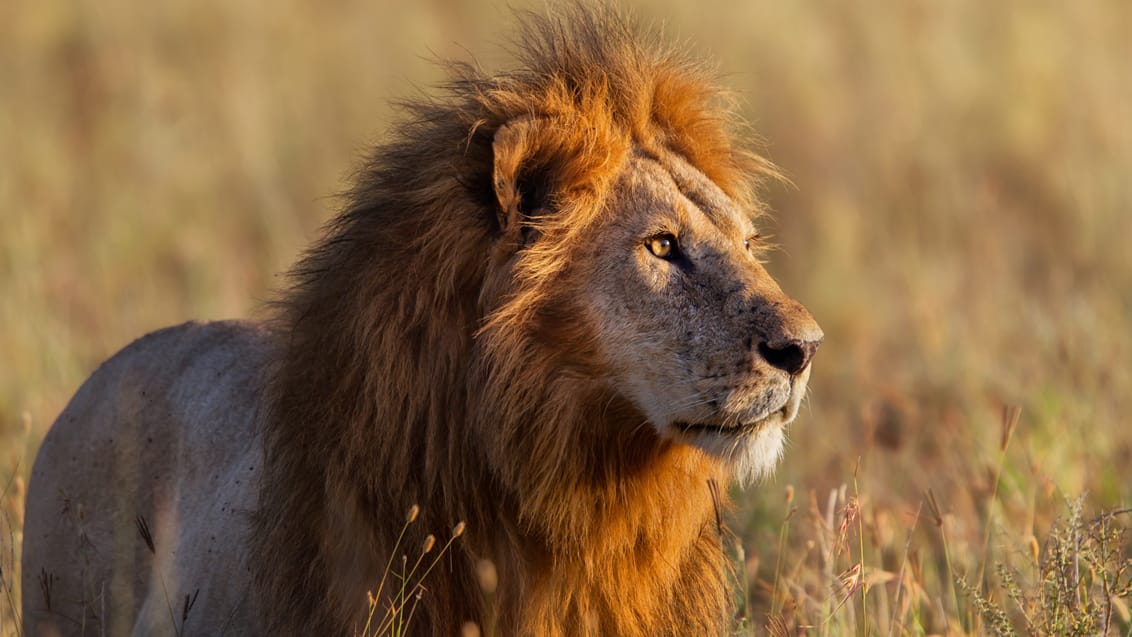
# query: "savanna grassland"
(959, 222)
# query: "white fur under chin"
(752, 455)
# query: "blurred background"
(959, 222)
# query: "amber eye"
(750, 241)
(662, 245)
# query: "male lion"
(542, 313)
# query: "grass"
(391, 609)
(847, 568)
(958, 226)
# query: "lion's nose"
(789, 355)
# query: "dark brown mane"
(414, 368)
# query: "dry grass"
(402, 587)
(959, 228)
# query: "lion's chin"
(751, 451)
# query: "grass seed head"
(487, 576)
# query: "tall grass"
(958, 226)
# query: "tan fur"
(484, 332)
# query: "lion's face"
(695, 331)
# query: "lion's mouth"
(733, 429)
(719, 429)
(707, 427)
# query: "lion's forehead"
(679, 188)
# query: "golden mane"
(400, 381)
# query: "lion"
(542, 315)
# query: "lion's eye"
(662, 245)
(751, 241)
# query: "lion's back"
(140, 494)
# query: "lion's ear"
(520, 177)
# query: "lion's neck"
(623, 539)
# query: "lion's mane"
(418, 368)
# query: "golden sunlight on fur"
(541, 314)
